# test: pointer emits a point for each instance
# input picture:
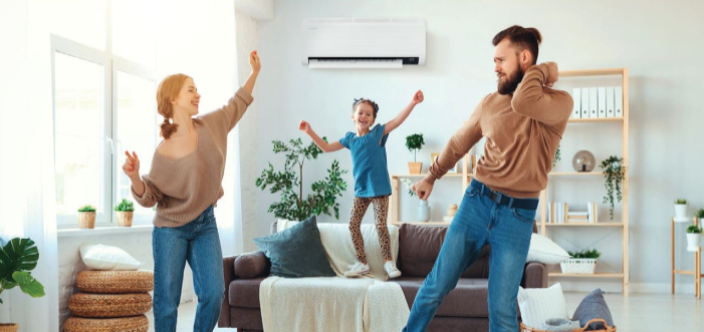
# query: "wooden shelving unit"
(697, 273)
(394, 213)
(554, 176)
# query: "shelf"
(596, 72)
(574, 173)
(451, 175)
(619, 119)
(586, 224)
(595, 275)
(427, 223)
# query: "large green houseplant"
(289, 183)
(17, 258)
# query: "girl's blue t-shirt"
(369, 166)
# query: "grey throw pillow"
(296, 252)
(593, 306)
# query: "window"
(103, 105)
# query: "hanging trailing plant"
(557, 158)
(614, 173)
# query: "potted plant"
(580, 262)
(694, 238)
(86, 217)
(414, 143)
(681, 209)
(557, 157)
(423, 212)
(289, 183)
(17, 258)
(614, 172)
(124, 213)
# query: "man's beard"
(509, 85)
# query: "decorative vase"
(681, 211)
(124, 218)
(415, 167)
(694, 241)
(86, 220)
(423, 211)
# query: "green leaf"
(17, 255)
(28, 284)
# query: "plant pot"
(423, 211)
(124, 218)
(681, 211)
(694, 241)
(9, 327)
(86, 220)
(415, 168)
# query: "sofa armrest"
(228, 267)
(252, 265)
(535, 275)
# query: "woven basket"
(124, 218)
(9, 327)
(608, 328)
(109, 305)
(127, 324)
(578, 266)
(115, 282)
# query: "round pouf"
(115, 282)
(109, 305)
(126, 324)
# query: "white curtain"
(26, 160)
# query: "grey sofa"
(464, 309)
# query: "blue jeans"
(478, 221)
(198, 243)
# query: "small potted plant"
(680, 209)
(700, 215)
(414, 143)
(124, 212)
(86, 217)
(581, 262)
(423, 208)
(694, 238)
(17, 258)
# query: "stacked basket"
(111, 301)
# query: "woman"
(185, 183)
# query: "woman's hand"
(254, 62)
(131, 166)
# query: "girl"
(371, 177)
(185, 182)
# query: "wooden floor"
(637, 313)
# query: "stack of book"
(559, 214)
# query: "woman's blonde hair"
(167, 91)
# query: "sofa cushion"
(468, 299)
(297, 251)
(419, 247)
(244, 293)
(251, 265)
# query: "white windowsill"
(68, 232)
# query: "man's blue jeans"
(479, 221)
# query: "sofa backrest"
(419, 247)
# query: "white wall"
(657, 41)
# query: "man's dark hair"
(521, 38)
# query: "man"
(523, 123)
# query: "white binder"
(618, 101)
(602, 102)
(610, 106)
(585, 103)
(577, 108)
(593, 103)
